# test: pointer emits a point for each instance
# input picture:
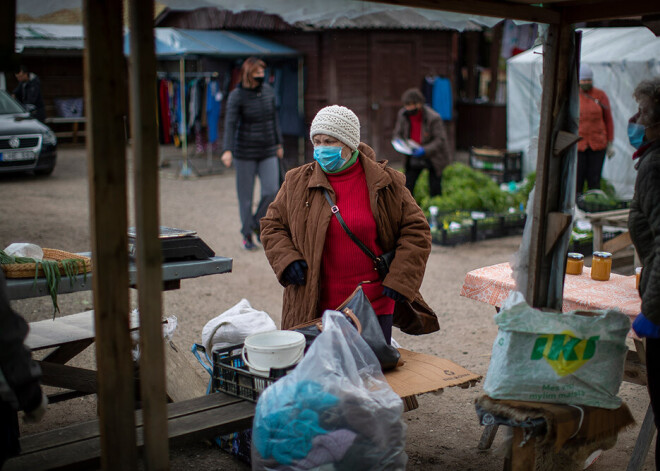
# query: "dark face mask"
(411, 112)
(586, 86)
(258, 80)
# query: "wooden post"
(8, 35)
(559, 53)
(105, 105)
(144, 130)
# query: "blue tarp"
(174, 43)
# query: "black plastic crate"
(446, 237)
(591, 207)
(491, 226)
(232, 376)
(513, 223)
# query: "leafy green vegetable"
(51, 269)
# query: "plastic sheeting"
(620, 58)
(292, 11)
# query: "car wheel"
(44, 171)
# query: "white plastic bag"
(234, 325)
(24, 249)
(169, 326)
(335, 410)
(563, 358)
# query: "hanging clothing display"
(438, 95)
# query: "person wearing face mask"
(596, 130)
(644, 226)
(253, 142)
(423, 125)
(311, 254)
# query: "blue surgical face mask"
(636, 134)
(329, 157)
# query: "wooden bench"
(75, 127)
(78, 446)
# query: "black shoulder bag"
(382, 262)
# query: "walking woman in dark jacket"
(253, 141)
(644, 225)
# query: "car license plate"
(16, 156)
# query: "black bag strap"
(358, 242)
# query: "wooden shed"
(365, 65)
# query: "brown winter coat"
(295, 225)
(434, 137)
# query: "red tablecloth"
(492, 285)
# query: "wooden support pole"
(559, 54)
(144, 131)
(8, 35)
(105, 105)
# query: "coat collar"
(374, 172)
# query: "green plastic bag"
(566, 358)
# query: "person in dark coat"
(644, 226)
(423, 125)
(28, 92)
(19, 378)
(253, 141)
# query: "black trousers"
(589, 168)
(653, 378)
(386, 322)
(435, 180)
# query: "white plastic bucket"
(274, 349)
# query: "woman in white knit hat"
(313, 256)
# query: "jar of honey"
(638, 276)
(601, 266)
(574, 263)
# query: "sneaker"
(248, 244)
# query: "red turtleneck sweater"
(344, 264)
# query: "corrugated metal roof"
(174, 42)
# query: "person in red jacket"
(596, 130)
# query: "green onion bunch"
(51, 269)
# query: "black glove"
(294, 274)
(390, 293)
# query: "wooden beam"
(8, 35)
(105, 105)
(497, 9)
(559, 53)
(144, 131)
(557, 223)
(606, 10)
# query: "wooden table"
(492, 285)
(616, 218)
(71, 334)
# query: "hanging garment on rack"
(443, 101)
(427, 89)
(163, 105)
(213, 107)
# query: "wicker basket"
(26, 270)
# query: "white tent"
(620, 58)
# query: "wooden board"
(78, 446)
(183, 379)
(422, 373)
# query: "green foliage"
(467, 188)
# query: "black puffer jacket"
(252, 129)
(644, 225)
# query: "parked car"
(26, 144)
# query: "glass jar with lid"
(601, 266)
(574, 263)
(638, 276)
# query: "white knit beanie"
(339, 122)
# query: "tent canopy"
(176, 42)
(620, 58)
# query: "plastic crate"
(231, 375)
(490, 226)
(591, 207)
(449, 238)
(502, 165)
(513, 223)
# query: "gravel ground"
(442, 433)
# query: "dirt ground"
(442, 433)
